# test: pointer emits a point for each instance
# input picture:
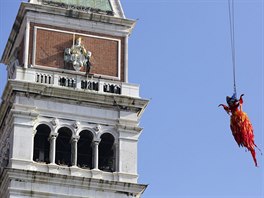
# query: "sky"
(180, 54)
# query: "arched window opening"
(41, 144)
(106, 153)
(63, 147)
(85, 151)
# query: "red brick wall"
(50, 47)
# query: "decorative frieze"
(84, 7)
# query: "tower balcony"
(77, 81)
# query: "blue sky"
(179, 53)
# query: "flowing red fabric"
(242, 131)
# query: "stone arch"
(85, 149)
(48, 124)
(41, 146)
(91, 130)
(112, 132)
(63, 146)
(71, 128)
(107, 158)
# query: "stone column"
(26, 44)
(52, 140)
(74, 152)
(96, 154)
(126, 60)
(116, 157)
(33, 142)
(101, 86)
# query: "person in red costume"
(240, 124)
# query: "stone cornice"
(27, 176)
(119, 102)
(129, 129)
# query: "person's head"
(78, 41)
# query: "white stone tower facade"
(69, 118)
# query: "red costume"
(240, 125)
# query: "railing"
(90, 85)
(67, 82)
(44, 78)
(79, 82)
(112, 88)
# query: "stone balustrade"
(79, 82)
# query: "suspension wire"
(232, 38)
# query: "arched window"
(85, 151)
(106, 153)
(63, 147)
(41, 144)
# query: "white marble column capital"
(53, 136)
(96, 143)
(75, 138)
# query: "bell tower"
(69, 118)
